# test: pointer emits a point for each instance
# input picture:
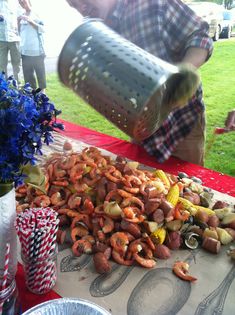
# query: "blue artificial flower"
(27, 120)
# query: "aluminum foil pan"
(67, 306)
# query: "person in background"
(9, 37)
(31, 30)
(170, 30)
(230, 121)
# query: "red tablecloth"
(212, 179)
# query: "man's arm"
(195, 56)
(188, 38)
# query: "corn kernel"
(159, 235)
(173, 195)
(162, 175)
(188, 205)
(207, 210)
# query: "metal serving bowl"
(67, 306)
(129, 86)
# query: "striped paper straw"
(6, 266)
(5, 273)
(37, 230)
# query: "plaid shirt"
(165, 28)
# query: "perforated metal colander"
(130, 87)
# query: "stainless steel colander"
(130, 87)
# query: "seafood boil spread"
(117, 211)
(114, 209)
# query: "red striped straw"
(6, 266)
(5, 274)
(37, 231)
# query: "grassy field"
(219, 95)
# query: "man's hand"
(22, 18)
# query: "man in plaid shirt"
(170, 30)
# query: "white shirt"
(32, 42)
(9, 10)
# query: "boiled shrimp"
(42, 201)
(81, 247)
(85, 155)
(67, 162)
(78, 232)
(133, 200)
(76, 172)
(87, 207)
(84, 218)
(132, 190)
(114, 196)
(62, 183)
(142, 254)
(80, 187)
(132, 214)
(107, 224)
(129, 179)
(119, 242)
(57, 171)
(180, 268)
(74, 201)
(120, 259)
(144, 262)
(57, 199)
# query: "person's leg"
(192, 149)
(40, 70)
(15, 58)
(3, 56)
(28, 71)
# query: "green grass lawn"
(218, 77)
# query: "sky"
(59, 19)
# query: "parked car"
(228, 24)
(212, 13)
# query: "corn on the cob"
(159, 235)
(207, 210)
(188, 205)
(163, 177)
(173, 195)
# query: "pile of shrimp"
(103, 205)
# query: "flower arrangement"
(27, 119)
